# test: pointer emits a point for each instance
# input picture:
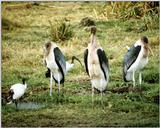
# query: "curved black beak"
(75, 58)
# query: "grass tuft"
(61, 30)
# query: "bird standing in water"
(17, 91)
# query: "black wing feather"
(85, 60)
(130, 58)
(60, 60)
(103, 60)
(10, 93)
(48, 74)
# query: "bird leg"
(102, 99)
(58, 84)
(140, 78)
(58, 88)
(101, 94)
(16, 103)
(51, 83)
(133, 78)
(92, 96)
(63, 91)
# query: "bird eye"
(47, 46)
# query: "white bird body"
(136, 59)
(69, 66)
(140, 62)
(51, 64)
(19, 90)
(56, 64)
(99, 84)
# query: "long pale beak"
(149, 48)
(44, 62)
(128, 48)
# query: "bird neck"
(93, 40)
(25, 85)
(147, 49)
(145, 53)
(47, 51)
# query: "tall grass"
(61, 30)
(9, 25)
(148, 12)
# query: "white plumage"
(141, 61)
(69, 66)
(18, 90)
(56, 64)
(135, 60)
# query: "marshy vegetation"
(26, 26)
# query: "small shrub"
(87, 21)
(61, 30)
(147, 12)
(151, 20)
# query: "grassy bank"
(24, 31)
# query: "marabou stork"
(16, 91)
(96, 64)
(56, 64)
(135, 59)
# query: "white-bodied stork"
(56, 64)
(135, 59)
(96, 64)
(17, 91)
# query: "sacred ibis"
(56, 64)
(136, 59)
(96, 64)
(17, 91)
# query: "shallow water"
(28, 105)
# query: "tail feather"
(10, 96)
(9, 102)
(128, 77)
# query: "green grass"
(22, 56)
